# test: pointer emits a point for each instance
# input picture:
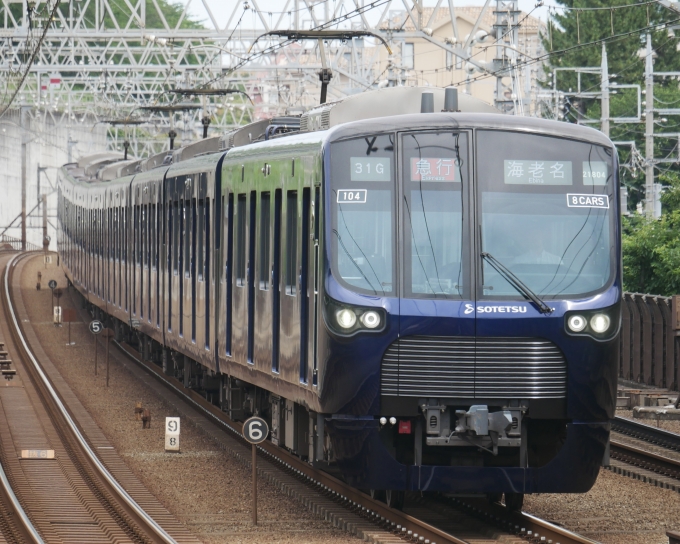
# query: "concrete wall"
(48, 136)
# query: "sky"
(221, 9)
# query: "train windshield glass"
(545, 213)
(434, 172)
(362, 204)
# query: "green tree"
(576, 35)
(651, 254)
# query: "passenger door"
(434, 208)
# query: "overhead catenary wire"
(275, 47)
(567, 49)
(52, 13)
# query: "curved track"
(15, 525)
(80, 485)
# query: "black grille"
(441, 366)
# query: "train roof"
(383, 110)
(494, 121)
(389, 102)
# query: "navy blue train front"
(489, 254)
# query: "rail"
(27, 526)
(140, 516)
(646, 432)
(650, 346)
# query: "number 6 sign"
(255, 430)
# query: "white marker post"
(171, 434)
(255, 430)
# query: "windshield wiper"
(516, 283)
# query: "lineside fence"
(9, 243)
(650, 340)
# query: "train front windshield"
(544, 208)
(542, 211)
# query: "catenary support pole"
(649, 129)
(605, 92)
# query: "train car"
(420, 301)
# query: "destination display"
(594, 173)
(424, 169)
(370, 168)
(537, 172)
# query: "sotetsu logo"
(469, 308)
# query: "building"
(420, 60)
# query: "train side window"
(200, 226)
(175, 236)
(140, 234)
(126, 218)
(121, 233)
(154, 237)
(160, 212)
(241, 240)
(228, 268)
(116, 226)
(109, 233)
(170, 253)
(189, 235)
(147, 241)
(136, 234)
(291, 242)
(183, 226)
(265, 239)
(206, 230)
(206, 274)
(100, 232)
(145, 233)
(276, 272)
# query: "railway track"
(645, 453)
(431, 520)
(65, 489)
(15, 525)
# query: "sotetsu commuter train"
(427, 301)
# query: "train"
(417, 292)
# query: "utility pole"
(649, 129)
(69, 146)
(46, 243)
(507, 33)
(605, 92)
(24, 138)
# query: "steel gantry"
(106, 59)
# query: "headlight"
(577, 323)
(346, 318)
(370, 319)
(599, 323)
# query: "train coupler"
(480, 425)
